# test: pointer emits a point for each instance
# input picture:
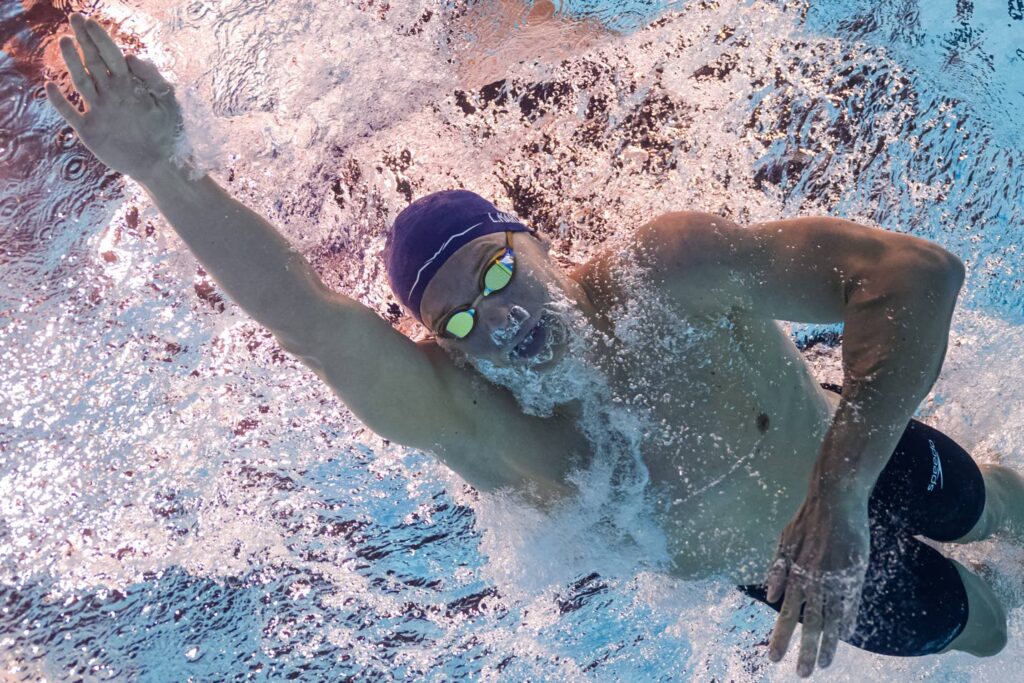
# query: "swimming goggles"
(495, 278)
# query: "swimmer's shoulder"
(614, 269)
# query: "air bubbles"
(9, 208)
(73, 168)
(66, 138)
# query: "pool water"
(182, 500)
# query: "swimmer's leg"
(984, 633)
(1004, 506)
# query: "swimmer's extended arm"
(895, 295)
(131, 125)
(406, 392)
(410, 393)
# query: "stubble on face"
(559, 371)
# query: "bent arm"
(250, 260)
(894, 293)
(896, 332)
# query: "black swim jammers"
(914, 602)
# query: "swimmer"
(836, 482)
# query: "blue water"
(182, 500)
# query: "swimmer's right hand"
(132, 121)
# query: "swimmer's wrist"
(841, 488)
(851, 455)
(159, 173)
(165, 172)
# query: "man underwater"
(836, 482)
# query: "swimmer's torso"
(732, 422)
(736, 422)
(737, 440)
(732, 417)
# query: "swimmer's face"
(513, 326)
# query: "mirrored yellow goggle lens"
(498, 276)
(460, 324)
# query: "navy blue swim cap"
(431, 229)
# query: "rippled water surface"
(182, 500)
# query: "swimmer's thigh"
(914, 601)
(930, 487)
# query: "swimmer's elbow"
(939, 270)
(956, 271)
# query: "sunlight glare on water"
(180, 498)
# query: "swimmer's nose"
(506, 330)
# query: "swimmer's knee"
(1004, 505)
(986, 643)
(984, 634)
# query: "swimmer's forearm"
(894, 342)
(247, 257)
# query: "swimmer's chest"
(732, 424)
(708, 391)
(709, 386)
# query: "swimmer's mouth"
(538, 344)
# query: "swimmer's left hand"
(132, 121)
(819, 568)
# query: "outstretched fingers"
(830, 632)
(93, 61)
(786, 622)
(108, 49)
(81, 79)
(810, 636)
(63, 107)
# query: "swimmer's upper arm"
(398, 388)
(800, 269)
(413, 394)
